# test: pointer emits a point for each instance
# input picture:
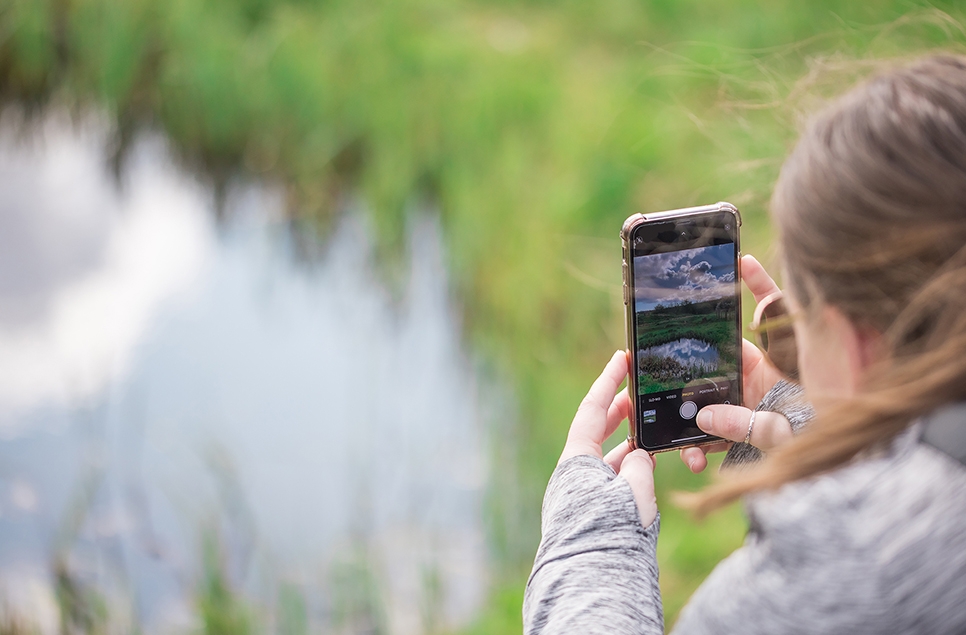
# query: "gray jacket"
(878, 546)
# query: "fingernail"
(705, 420)
(691, 465)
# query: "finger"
(758, 376)
(695, 459)
(616, 456)
(751, 356)
(617, 412)
(604, 389)
(732, 422)
(637, 469)
(589, 427)
(712, 448)
(756, 278)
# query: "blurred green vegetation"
(534, 127)
(222, 611)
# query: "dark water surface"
(164, 378)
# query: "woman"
(858, 523)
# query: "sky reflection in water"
(686, 351)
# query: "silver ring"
(630, 442)
(751, 424)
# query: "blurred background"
(298, 297)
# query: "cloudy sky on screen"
(706, 273)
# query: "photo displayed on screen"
(685, 313)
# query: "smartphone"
(682, 297)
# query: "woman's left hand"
(598, 416)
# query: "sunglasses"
(775, 336)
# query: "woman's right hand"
(758, 377)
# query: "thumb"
(733, 423)
(637, 469)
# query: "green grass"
(534, 127)
(655, 329)
(670, 328)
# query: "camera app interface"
(685, 307)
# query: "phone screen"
(687, 335)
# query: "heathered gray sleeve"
(596, 567)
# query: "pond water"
(686, 351)
(169, 381)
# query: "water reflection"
(686, 351)
(163, 380)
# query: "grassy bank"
(696, 321)
(535, 127)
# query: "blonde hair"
(870, 209)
